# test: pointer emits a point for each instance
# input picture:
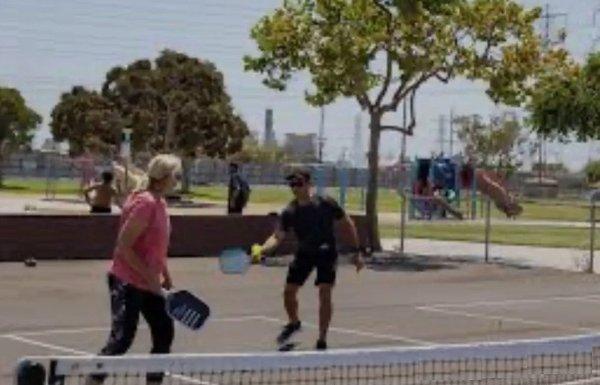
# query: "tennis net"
(568, 361)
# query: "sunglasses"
(296, 183)
(177, 176)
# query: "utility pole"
(442, 132)
(451, 154)
(547, 42)
(357, 147)
(322, 135)
(403, 144)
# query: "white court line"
(82, 353)
(587, 381)
(390, 337)
(593, 298)
(18, 336)
(107, 328)
(57, 331)
(506, 319)
(45, 345)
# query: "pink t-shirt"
(152, 245)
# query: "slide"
(135, 177)
(493, 185)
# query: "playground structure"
(441, 187)
(127, 177)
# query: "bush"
(592, 171)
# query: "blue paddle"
(234, 261)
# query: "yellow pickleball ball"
(256, 253)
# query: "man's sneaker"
(288, 331)
(321, 345)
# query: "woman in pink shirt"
(139, 271)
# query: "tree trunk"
(3, 150)
(170, 132)
(372, 219)
(1, 170)
(185, 178)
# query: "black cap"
(298, 173)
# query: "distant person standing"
(238, 191)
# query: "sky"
(47, 46)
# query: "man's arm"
(86, 193)
(273, 241)
(349, 230)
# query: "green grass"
(549, 210)
(539, 209)
(546, 236)
(38, 186)
(280, 195)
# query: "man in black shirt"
(312, 219)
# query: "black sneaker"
(321, 345)
(288, 331)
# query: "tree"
(87, 120)
(176, 104)
(380, 53)
(497, 144)
(565, 103)
(17, 123)
(592, 172)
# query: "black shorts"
(304, 263)
(100, 210)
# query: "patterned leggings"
(126, 304)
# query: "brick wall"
(93, 237)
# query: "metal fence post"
(402, 221)
(488, 210)
(592, 233)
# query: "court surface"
(61, 307)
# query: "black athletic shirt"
(313, 223)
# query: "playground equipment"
(128, 177)
(435, 188)
(438, 185)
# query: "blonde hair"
(163, 165)
(159, 167)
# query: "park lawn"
(577, 211)
(550, 210)
(281, 195)
(37, 186)
(540, 210)
(546, 236)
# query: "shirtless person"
(104, 194)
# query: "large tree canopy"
(86, 119)
(176, 103)
(17, 122)
(381, 52)
(566, 103)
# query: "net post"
(29, 372)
